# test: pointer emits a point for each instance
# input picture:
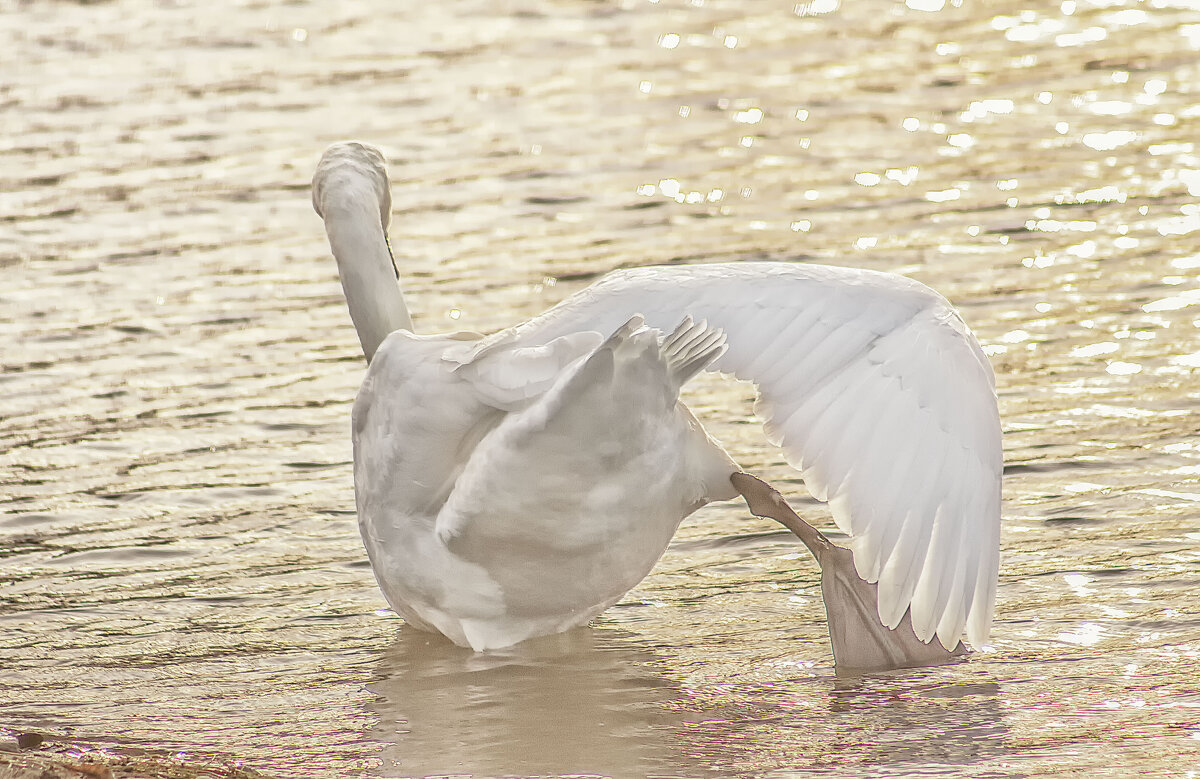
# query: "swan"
(518, 484)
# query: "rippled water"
(181, 567)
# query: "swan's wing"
(876, 391)
(507, 378)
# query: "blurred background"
(180, 569)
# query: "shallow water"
(181, 566)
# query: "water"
(181, 568)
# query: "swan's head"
(352, 174)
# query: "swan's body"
(518, 485)
(494, 518)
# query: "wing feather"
(955, 612)
(819, 441)
(789, 324)
(854, 474)
(892, 433)
(876, 391)
(934, 581)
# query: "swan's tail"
(691, 348)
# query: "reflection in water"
(591, 702)
(578, 703)
(919, 722)
(897, 724)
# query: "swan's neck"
(367, 271)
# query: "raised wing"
(878, 394)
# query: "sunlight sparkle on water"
(1026, 27)
(1180, 225)
(1186, 361)
(981, 108)
(1108, 194)
(1191, 33)
(1120, 368)
(815, 8)
(1110, 107)
(1082, 250)
(1094, 350)
(1191, 179)
(1090, 35)
(1084, 634)
(1184, 299)
(1127, 17)
(1078, 583)
(1054, 225)
(1107, 141)
(943, 195)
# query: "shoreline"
(29, 755)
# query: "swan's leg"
(766, 502)
(861, 641)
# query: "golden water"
(180, 563)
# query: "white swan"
(516, 485)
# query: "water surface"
(181, 567)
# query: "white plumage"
(517, 485)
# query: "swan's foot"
(861, 642)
